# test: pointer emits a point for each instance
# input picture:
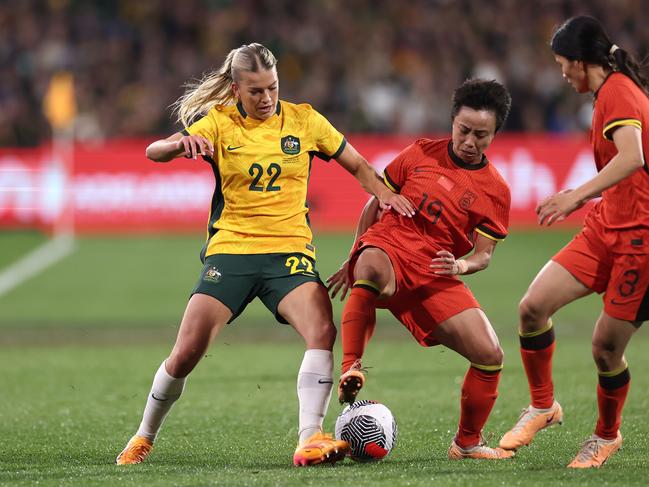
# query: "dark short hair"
(481, 94)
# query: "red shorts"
(615, 263)
(422, 300)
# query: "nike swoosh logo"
(549, 420)
(234, 148)
(325, 381)
(157, 398)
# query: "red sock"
(358, 322)
(479, 393)
(611, 394)
(536, 352)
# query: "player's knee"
(321, 334)
(182, 361)
(532, 314)
(367, 272)
(494, 356)
(185, 356)
(491, 355)
(368, 268)
(606, 356)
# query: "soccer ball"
(369, 428)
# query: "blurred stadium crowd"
(368, 65)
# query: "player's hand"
(557, 207)
(339, 281)
(446, 264)
(396, 202)
(194, 145)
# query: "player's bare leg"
(373, 279)
(308, 309)
(204, 317)
(470, 334)
(553, 288)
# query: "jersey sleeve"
(394, 175)
(619, 108)
(495, 223)
(329, 142)
(205, 127)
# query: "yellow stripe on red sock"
(487, 368)
(367, 284)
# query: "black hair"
(583, 38)
(481, 94)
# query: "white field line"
(35, 262)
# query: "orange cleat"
(320, 448)
(479, 452)
(351, 382)
(595, 451)
(531, 421)
(137, 449)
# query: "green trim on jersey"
(216, 207)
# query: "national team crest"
(467, 199)
(290, 145)
(212, 274)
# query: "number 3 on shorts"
(297, 265)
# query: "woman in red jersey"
(609, 256)
(410, 265)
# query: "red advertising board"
(112, 187)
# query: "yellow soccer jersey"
(262, 170)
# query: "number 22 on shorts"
(299, 265)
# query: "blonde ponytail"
(215, 88)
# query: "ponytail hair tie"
(613, 48)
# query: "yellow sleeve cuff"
(607, 132)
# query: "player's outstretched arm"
(447, 264)
(356, 164)
(628, 140)
(177, 145)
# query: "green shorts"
(236, 279)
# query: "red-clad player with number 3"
(610, 255)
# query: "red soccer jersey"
(454, 200)
(619, 102)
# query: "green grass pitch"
(80, 343)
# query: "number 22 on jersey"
(256, 170)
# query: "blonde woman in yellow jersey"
(258, 242)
